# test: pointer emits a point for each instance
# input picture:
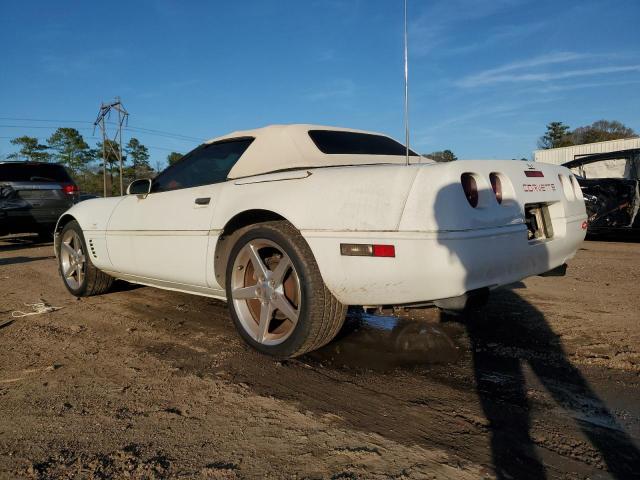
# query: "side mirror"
(139, 187)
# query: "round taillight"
(470, 187)
(496, 185)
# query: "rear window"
(335, 142)
(33, 172)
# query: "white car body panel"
(443, 246)
(163, 236)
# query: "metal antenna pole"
(406, 84)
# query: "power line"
(87, 136)
(43, 120)
(36, 126)
(129, 127)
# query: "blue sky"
(485, 75)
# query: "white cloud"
(438, 24)
(532, 70)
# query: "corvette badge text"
(541, 187)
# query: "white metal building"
(611, 166)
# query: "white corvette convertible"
(292, 223)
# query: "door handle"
(203, 200)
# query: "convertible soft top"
(286, 147)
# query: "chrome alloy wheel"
(265, 290)
(72, 259)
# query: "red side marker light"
(584, 225)
(367, 250)
(533, 173)
(384, 251)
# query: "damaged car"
(290, 224)
(610, 184)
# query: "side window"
(207, 164)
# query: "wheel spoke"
(77, 245)
(68, 249)
(245, 293)
(80, 275)
(282, 303)
(258, 264)
(266, 312)
(281, 270)
(69, 271)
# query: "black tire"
(321, 314)
(95, 282)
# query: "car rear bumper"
(438, 265)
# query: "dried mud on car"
(143, 383)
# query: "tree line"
(560, 135)
(67, 147)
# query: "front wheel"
(80, 276)
(277, 298)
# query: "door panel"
(164, 235)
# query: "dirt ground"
(144, 383)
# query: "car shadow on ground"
(509, 334)
(17, 260)
(122, 286)
(15, 242)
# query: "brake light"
(496, 185)
(533, 173)
(470, 187)
(70, 189)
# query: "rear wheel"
(277, 298)
(80, 276)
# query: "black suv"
(33, 195)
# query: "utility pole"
(123, 119)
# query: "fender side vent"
(92, 248)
